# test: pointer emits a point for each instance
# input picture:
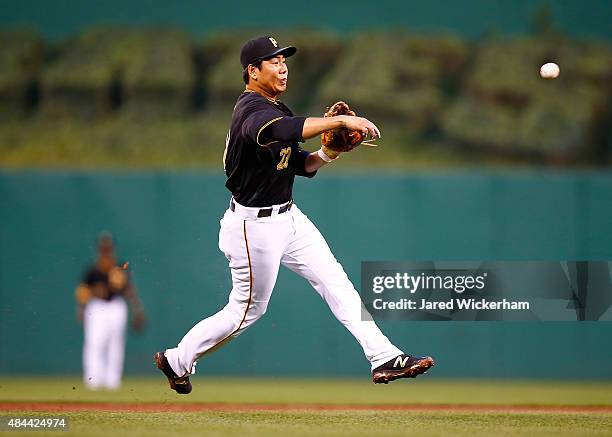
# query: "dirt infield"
(171, 407)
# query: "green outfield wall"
(166, 225)
(472, 18)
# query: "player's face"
(273, 75)
(105, 249)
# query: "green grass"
(313, 422)
(338, 423)
(317, 391)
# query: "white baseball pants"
(255, 248)
(104, 342)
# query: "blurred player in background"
(103, 296)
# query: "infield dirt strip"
(196, 407)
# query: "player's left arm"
(123, 282)
(267, 127)
(314, 126)
(285, 129)
(133, 299)
(313, 162)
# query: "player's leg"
(94, 343)
(253, 249)
(118, 315)
(309, 255)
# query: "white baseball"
(550, 70)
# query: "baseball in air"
(550, 70)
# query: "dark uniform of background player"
(261, 159)
(102, 298)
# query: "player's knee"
(255, 311)
(246, 314)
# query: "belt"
(266, 212)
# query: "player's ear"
(252, 72)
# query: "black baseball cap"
(262, 48)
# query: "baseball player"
(101, 298)
(263, 228)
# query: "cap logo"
(273, 41)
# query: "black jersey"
(262, 155)
(95, 277)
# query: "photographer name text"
(437, 282)
(456, 303)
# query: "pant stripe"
(246, 311)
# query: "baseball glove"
(341, 139)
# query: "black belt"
(266, 212)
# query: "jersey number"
(284, 161)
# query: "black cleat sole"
(162, 364)
(418, 368)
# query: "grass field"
(271, 407)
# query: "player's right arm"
(314, 126)
(82, 295)
(266, 127)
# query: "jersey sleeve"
(89, 276)
(267, 127)
(299, 163)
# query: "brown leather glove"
(342, 139)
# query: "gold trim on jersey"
(248, 90)
(262, 128)
(227, 140)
